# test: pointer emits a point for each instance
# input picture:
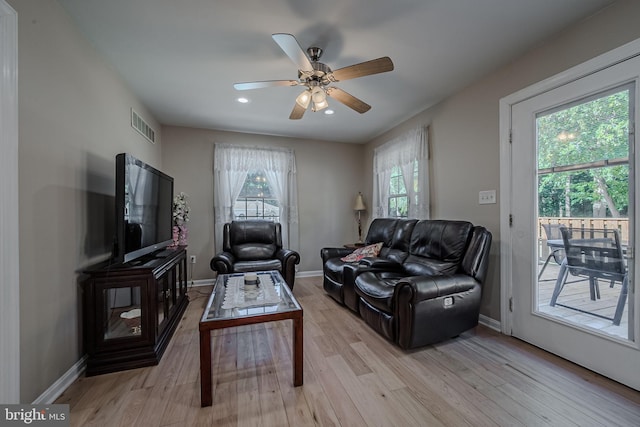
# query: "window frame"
(396, 197)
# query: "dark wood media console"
(131, 310)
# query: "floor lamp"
(359, 206)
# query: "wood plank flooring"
(352, 377)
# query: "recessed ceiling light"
(328, 112)
(243, 100)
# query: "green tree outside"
(581, 138)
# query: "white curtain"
(405, 152)
(231, 166)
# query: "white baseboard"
(57, 388)
(309, 273)
(201, 282)
(490, 323)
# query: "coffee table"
(233, 304)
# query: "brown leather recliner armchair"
(255, 246)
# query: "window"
(583, 157)
(399, 201)
(255, 183)
(256, 200)
(400, 177)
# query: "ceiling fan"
(318, 78)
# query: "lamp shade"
(359, 204)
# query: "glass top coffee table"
(232, 303)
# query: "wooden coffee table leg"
(297, 351)
(205, 368)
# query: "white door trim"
(9, 249)
(594, 65)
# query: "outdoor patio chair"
(555, 245)
(593, 254)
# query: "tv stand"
(164, 252)
(131, 310)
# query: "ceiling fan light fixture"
(317, 106)
(317, 78)
(304, 99)
(318, 95)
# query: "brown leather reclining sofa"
(423, 287)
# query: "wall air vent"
(141, 126)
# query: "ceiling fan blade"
(266, 83)
(375, 66)
(297, 112)
(291, 47)
(348, 100)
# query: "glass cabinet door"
(163, 296)
(171, 291)
(122, 311)
(182, 278)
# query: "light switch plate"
(487, 197)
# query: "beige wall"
(464, 129)
(329, 178)
(73, 119)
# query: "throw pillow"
(363, 252)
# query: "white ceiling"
(181, 58)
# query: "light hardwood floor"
(352, 377)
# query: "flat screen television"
(144, 208)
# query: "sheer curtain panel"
(232, 164)
(407, 151)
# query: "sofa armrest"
(288, 256)
(422, 288)
(476, 260)
(381, 264)
(223, 263)
(328, 253)
(430, 309)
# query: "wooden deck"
(576, 296)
